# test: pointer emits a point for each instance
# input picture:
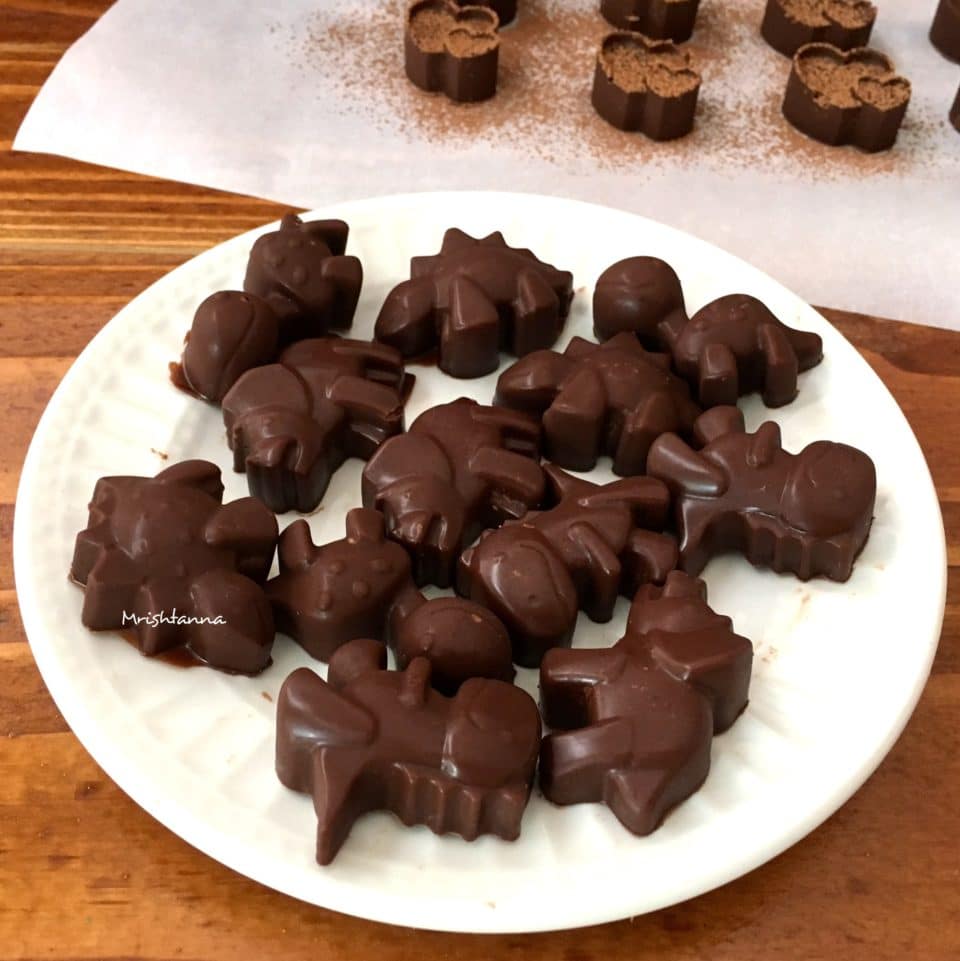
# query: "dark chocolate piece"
(452, 49)
(461, 468)
(291, 424)
(660, 19)
(638, 295)
(734, 346)
(459, 638)
(790, 24)
(474, 299)
(633, 723)
(945, 30)
(645, 85)
(955, 112)
(612, 399)
(506, 10)
(807, 513)
(165, 557)
(852, 97)
(595, 544)
(325, 596)
(301, 271)
(369, 739)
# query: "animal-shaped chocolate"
(328, 595)
(473, 299)
(370, 739)
(633, 724)
(807, 513)
(609, 399)
(291, 424)
(594, 544)
(461, 468)
(166, 558)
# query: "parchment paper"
(305, 102)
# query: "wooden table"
(86, 874)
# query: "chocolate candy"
(790, 24)
(661, 19)
(326, 596)
(166, 557)
(461, 468)
(955, 112)
(633, 723)
(612, 399)
(807, 513)
(638, 295)
(459, 638)
(452, 49)
(945, 30)
(594, 544)
(846, 98)
(735, 346)
(473, 299)
(369, 739)
(291, 424)
(645, 85)
(301, 271)
(506, 10)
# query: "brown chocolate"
(955, 112)
(597, 542)
(370, 739)
(633, 724)
(459, 638)
(608, 399)
(165, 557)
(453, 49)
(852, 97)
(325, 596)
(645, 85)
(660, 19)
(735, 345)
(638, 295)
(945, 30)
(301, 271)
(506, 10)
(474, 299)
(807, 513)
(291, 424)
(461, 468)
(790, 24)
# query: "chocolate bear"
(633, 724)
(291, 424)
(461, 468)
(612, 399)
(370, 739)
(166, 556)
(808, 513)
(473, 299)
(594, 544)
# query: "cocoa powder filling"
(835, 83)
(814, 13)
(634, 68)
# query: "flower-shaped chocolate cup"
(853, 97)
(662, 19)
(789, 25)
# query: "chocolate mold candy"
(474, 299)
(291, 424)
(461, 468)
(370, 739)
(846, 98)
(452, 49)
(661, 19)
(945, 30)
(633, 724)
(166, 557)
(597, 542)
(645, 85)
(807, 513)
(612, 399)
(790, 24)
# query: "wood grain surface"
(86, 874)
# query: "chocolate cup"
(787, 35)
(945, 30)
(659, 19)
(955, 112)
(506, 10)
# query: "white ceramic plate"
(838, 667)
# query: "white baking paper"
(306, 103)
